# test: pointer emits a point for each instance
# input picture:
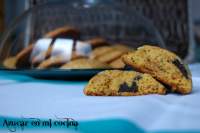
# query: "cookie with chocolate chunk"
(123, 83)
(84, 64)
(163, 65)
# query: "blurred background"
(177, 21)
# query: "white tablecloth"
(28, 97)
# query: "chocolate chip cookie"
(163, 65)
(123, 83)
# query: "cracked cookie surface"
(163, 65)
(123, 83)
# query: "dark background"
(187, 46)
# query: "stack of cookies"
(103, 55)
(154, 71)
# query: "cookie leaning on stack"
(163, 65)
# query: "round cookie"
(110, 56)
(96, 42)
(75, 56)
(52, 62)
(100, 51)
(84, 64)
(114, 53)
(122, 47)
(123, 83)
(10, 62)
(162, 64)
(118, 63)
(63, 32)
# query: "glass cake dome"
(75, 35)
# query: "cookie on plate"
(110, 56)
(100, 51)
(63, 32)
(114, 53)
(10, 62)
(118, 63)
(162, 64)
(52, 62)
(123, 83)
(84, 64)
(122, 47)
(97, 42)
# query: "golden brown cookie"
(52, 62)
(109, 57)
(122, 47)
(10, 62)
(100, 51)
(108, 54)
(63, 32)
(77, 56)
(118, 63)
(123, 83)
(96, 42)
(84, 64)
(162, 64)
